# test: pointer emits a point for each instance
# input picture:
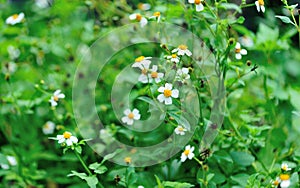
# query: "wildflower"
(144, 6)
(157, 16)
(260, 5)
(275, 182)
(285, 167)
(138, 17)
(154, 75)
(67, 138)
(167, 94)
(246, 41)
(13, 52)
(198, 3)
(187, 153)
(49, 127)
(142, 62)
(11, 161)
(127, 160)
(180, 130)
(239, 52)
(144, 73)
(14, 19)
(131, 116)
(285, 180)
(182, 50)
(55, 98)
(174, 58)
(182, 74)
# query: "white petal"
(154, 68)
(191, 1)
(285, 184)
(69, 142)
(262, 8)
(199, 7)
(137, 116)
(175, 93)
(130, 121)
(143, 22)
(237, 45)
(125, 119)
(161, 98)
(21, 16)
(12, 160)
(177, 131)
(191, 155)
(132, 16)
(57, 92)
(243, 52)
(157, 80)
(53, 102)
(185, 70)
(192, 149)
(169, 57)
(160, 75)
(161, 89)
(127, 111)
(61, 96)
(257, 6)
(168, 101)
(183, 157)
(74, 139)
(143, 78)
(238, 56)
(180, 52)
(168, 86)
(176, 60)
(4, 166)
(188, 147)
(135, 111)
(175, 50)
(61, 140)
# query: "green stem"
(198, 161)
(83, 163)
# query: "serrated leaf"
(94, 166)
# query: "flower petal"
(161, 98)
(238, 56)
(161, 89)
(132, 16)
(168, 101)
(243, 52)
(168, 86)
(199, 7)
(175, 93)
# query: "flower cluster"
(283, 180)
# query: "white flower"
(142, 62)
(9, 67)
(144, 6)
(11, 162)
(138, 17)
(285, 167)
(182, 50)
(285, 180)
(154, 75)
(144, 73)
(156, 15)
(174, 58)
(14, 19)
(13, 52)
(130, 116)
(140, 186)
(199, 6)
(55, 98)
(180, 130)
(182, 74)
(49, 127)
(167, 94)
(246, 41)
(42, 3)
(260, 5)
(187, 153)
(67, 138)
(276, 182)
(239, 52)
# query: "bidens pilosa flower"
(180, 130)
(48, 127)
(260, 5)
(130, 116)
(67, 138)
(138, 17)
(154, 75)
(198, 3)
(157, 16)
(15, 19)
(167, 94)
(239, 51)
(182, 50)
(285, 167)
(173, 58)
(142, 62)
(55, 97)
(285, 180)
(182, 74)
(187, 153)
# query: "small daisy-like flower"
(130, 116)
(187, 153)
(144, 73)
(138, 17)
(55, 98)
(239, 52)
(198, 3)
(285, 167)
(13, 52)
(142, 62)
(49, 127)
(127, 160)
(144, 6)
(14, 19)
(260, 5)
(275, 182)
(182, 74)
(11, 162)
(154, 75)
(174, 58)
(182, 50)
(285, 180)
(167, 94)
(67, 138)
(157, 16)
(180, 130)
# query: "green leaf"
(80, 175)
(241, 179)
(78, 149)
(94, 166)
(177, 184)
(111, 155)
(92, 181)
(242, 158)
(229, 6)
(285, 19)
(159, 184)
(101, 170)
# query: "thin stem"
(83, 163)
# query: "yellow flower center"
(197, 2)
(138, 17)
(180, 129)
(174, 55)
(55, 98)
(130, 115)
(154, 74)
(284, 177)
(237, 50)
(167, 93)
(67, 135)
(156, 14)
(284, 168)
(144, 71)
(46, 126)
(15, 16)
(139, 59)
(182, 47)
(186, 152)
(140, 6)
(127, 159)
(261, 2)
(276, 182)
